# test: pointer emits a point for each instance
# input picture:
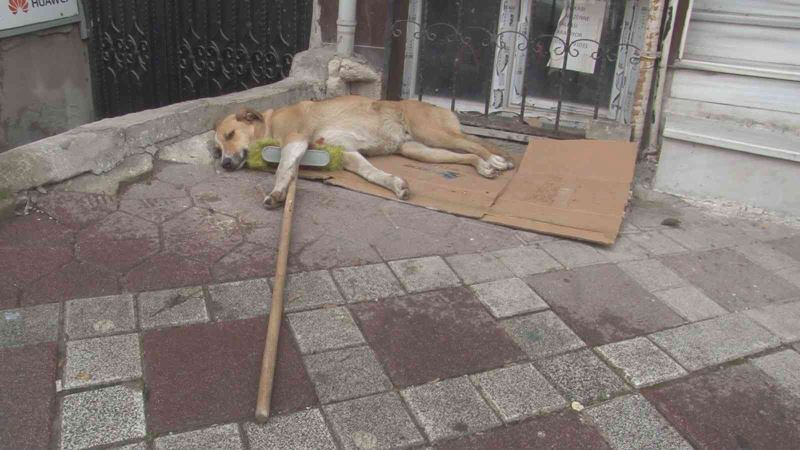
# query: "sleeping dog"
(363, 127)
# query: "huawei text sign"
(18, 13)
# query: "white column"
(346, 27)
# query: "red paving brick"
(34, 229)
(564, 430)
(27, 396)
(166, 270)
(9, 293)
(25, 264)
(76, 210)
(736, 407)
(205, 374)
(116, 255)
(602, 304)
(246, 261)
(155, 210)
(434, 335)
(75, 280)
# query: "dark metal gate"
(151, 53)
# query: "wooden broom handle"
(276, 311)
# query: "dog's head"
(234, 133)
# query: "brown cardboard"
(575, 189)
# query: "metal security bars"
(150, 53)
(534, 60)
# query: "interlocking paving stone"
(625, 249)
(102, 360)
(582, 376)
(164, 271)
(423, 337)
(732, 280)
(518, 392)
(424, 274)
(246, 261)
(690, 303)
(324, 329)
(370, 282)
(574, 254)
(27, 377)
(478, 268)
(220, 437)
(24, 264)
(116, 255)
(76, 210)
(377, 422)
(308, 290)
(791, 275)
(767, 257)
(449, 409)
(736, 407)
(783, 367)
(541, 335)
(201, 234)
(652, 275)
(641, 362)
(602, 304)
(9, 292)
(29, 325)
(630, 423)
(524, 261)
(346, 374)
(137, 446)
(91, 317)
(301, 430)
(240, 299)
(656, 244)
(172, 307)
(102, 416)
(74, 280)
(714, 341)
(506, 298)
(564, 430)
(206, 374)
(335, 249)
(781, 320)
(157, 210)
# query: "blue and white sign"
(19, 13)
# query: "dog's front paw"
(486, 170)
(274, 199)
(401, 188)
(500, 163)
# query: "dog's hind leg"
(457, 141)
(421, 152)
(358, 164)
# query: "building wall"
(45, 86)
(371, 16)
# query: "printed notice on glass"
(587, 23)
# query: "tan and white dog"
(363, 127)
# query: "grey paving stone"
(478, 268)
(30, 325)
(631, 423)
(690, 303)
(581, 376)
(376, 422)
(652, 275)
(172, 307)
(449, 408)
(574, 254)
(625, 249)
(309, 290)
(518, 392)
(506, 298)
(768, 258)
(703, 237)
(101, 417)
(240, 299)
(220, 437)
(542, 335)
(714, 341)
(525, 261)
(781, 320)
(345, 374)
(424, 274)
(324, 329)
(371, 282)
(90, 317)
(304, 430)
(102, 360)
(641, 362)
(791, 275)
(783, 367)
(136, 446)
(656, 244)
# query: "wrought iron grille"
(457, 49)
(150, 53)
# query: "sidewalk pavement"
(138, 321)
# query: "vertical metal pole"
(457, 60)
(564, 65)
(527, 61)
(423, 37)
(601, 56)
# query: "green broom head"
(255, 162)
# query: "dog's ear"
(249, 115)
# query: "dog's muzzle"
(234, 162)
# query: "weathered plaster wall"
(44, 85)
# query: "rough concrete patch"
(6, 206)
(195, 150)
(108, 183)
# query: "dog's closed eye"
(217, 152)
(229, 135)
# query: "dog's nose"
(227, 164)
